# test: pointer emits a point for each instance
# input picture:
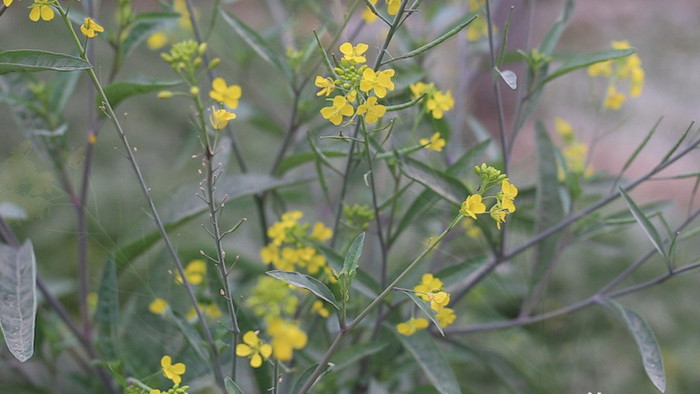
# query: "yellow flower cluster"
(430, 289)
(90, 28)
(575, 152)
(356, 81)
(627, 69)
(436, 101)
(504, 204)
(288, 248)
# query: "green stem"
(147, 193)
(339, 338)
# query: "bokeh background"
(578, 353)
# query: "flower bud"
(165, 94)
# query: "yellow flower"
(254, 348)
(318, 308)
(441, 102)
(212, 311)
(271, 297)
(636, 81)
(508, 194)
(438, 300)
(219, 118)
(354, 54)
(379, 81)
(477, 29)
(603, 69)
(575, 155)
(410, 327)
(435, 143)
(351, 96)
(473, 206)
(326, 85)
(392, 6)
(623, 44)
(292, 217)
(157, 40)
(286, 336)
(563, 128)
(446, 316)
(7, 3)
(223, 93)
(158, 306)
(172, 371)
(270, 254)
(195, 271)
(90, 28)
(418, 88)
(473, 231)
(428, 285)
(321, 233)
(41, 10)
(156, 391)
(367, 15)
(371, 110)
(613, 98)
(498, 214)
(340, 108)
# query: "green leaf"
(119, 91)
(184, 206)
(552, 38)
(252, 38)
(190, 333)
(354, 353)
(444, 185)
(646, 342)
(18, 299)
(431, 359)
(33, 60)
(107, 313)
(425, 307)
(304, 376)
(297, 159)
(364, 283)
(143, 26)
(649, 228)
(460, 24)
(307, 282)
(350, 263)
(549, 210)
(232, 387)
(585, 60)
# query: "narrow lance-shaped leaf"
(425, 307)
(646, 342)
(307, 282)
(350, 263)
(120, 91)
(262, 48)
(107, 313)
(432, 361)
(18, 300)
(585, 60)
(649, 228)
(33, 60)
(232, 387)
(461, 24)
(444, 185)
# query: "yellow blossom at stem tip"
(337, 110)
(220, 117)
(473, 206)
(353, 54)
(253, 348)
(172, 371)
(41, 10)
(90, 28)
(435, 143)
(223, 93)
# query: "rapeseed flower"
(219, 118)
(326, 84)
(320, 309)
(380, 81)
(411, 326)
(508, 194)
(172, 371)
(354, 54)
(628, 68)
(321, 233)
(613, 98)
(286, 336)
(446, 316)
(41, 10)
(367, 15)
(435, 143)
(473, 206)
(436, 101)
(428, 285)
(253, 348)
(223, 93)
(371, 110)
(195, 272)
(392, 6)
(337, 110)
(158, 306)
(90, 28)
(157, 40)
(8, 3)
(438, 300)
